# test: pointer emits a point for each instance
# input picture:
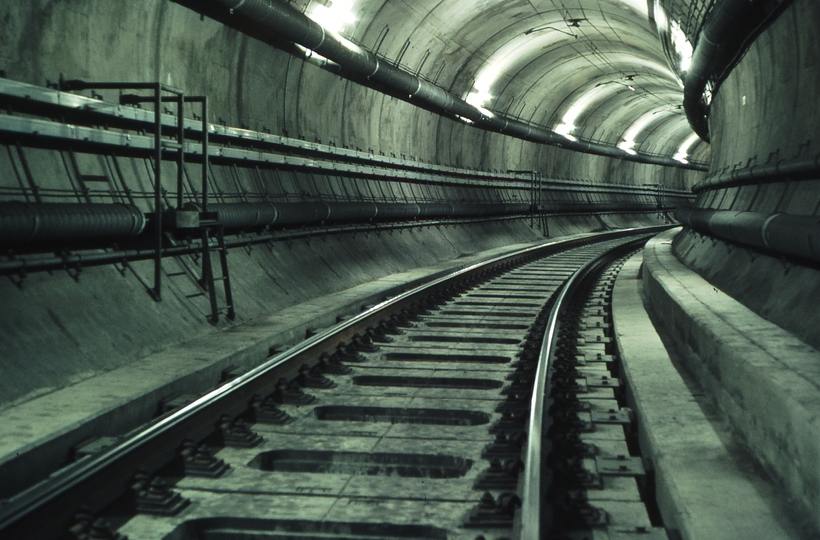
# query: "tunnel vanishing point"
(189, 188)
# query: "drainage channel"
(417, 429)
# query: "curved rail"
(47, 507)
(534, 520)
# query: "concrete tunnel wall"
(766, 112)
(253, 84)
(58, 330)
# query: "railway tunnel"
(194, 191)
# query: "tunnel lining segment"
(360, 63)
(763, 378)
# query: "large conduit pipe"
(808, 167)
(22, 222)
(724, 32)
(713, 36)
(28, 224)
(250, 216)
(287, 22)
(796, 236)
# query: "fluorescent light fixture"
(682, 46)
(636, 5)
(333, 17)
(565, 130)
(518, 51)
(310, 54)
(640, 124)
(683, 151)
(567, 125)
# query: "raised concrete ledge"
(38, 435)
(765, 380)
(701, 490)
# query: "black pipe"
(28, 225)
(714, 36)
(728, 30)
(20, 266)
(808, 168)
(23, 223)
(251, 216)
(292, 25)
(796, 236)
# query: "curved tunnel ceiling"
(587, 69)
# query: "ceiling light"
(626, 146)
(682, 46)
(333, 17)
(683, 151)
(565, 130)
(503, 61)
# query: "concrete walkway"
(705, 490)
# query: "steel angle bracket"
(585, 534)
(596, 356)
(619, 466)
(637, 533)
(602, 381)
(621, 416)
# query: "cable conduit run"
(20, 266)
(730, 27)
(791, 235)
(34, 99)
(22, 222)
(805, 168)
(284, 20)
(28, 224)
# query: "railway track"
(415, 419)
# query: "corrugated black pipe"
(22, 222)
(20, 266)
(254, 216)
(796, 236)
(250, 216)
(292, 25)
(25, 224)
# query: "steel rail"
(534, 526)
(48, 507)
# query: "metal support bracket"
(612, 416)
(620, 466)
